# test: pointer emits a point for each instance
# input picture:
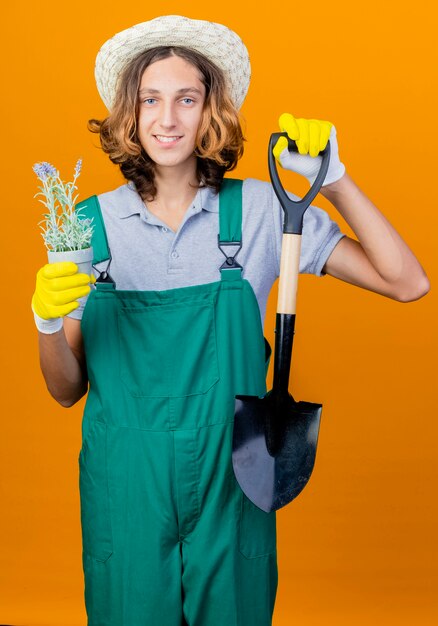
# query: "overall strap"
(90, 209)
(230, 226)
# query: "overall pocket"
(93, 486)
(257, 530)
(168, 350)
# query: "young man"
(170, 334)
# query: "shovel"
(275, 437)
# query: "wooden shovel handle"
(289, 269)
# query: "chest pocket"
(168, 349)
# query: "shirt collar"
(206, 199)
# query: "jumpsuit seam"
(165, 430)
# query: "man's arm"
(380, 261)
(63, 363)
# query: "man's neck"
(176, 188)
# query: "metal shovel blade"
(274, 447)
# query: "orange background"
(358, 546)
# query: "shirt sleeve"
(319, 237)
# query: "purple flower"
(78, 168)
(45, 170)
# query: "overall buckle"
(230, 262)
(104, 276)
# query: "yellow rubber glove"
(58, 286)
(311, 137)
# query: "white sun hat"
(215, 41)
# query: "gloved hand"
(58, 285)
(311, 137)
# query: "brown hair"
(219, 141)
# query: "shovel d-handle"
(294, 209)
(289, 263)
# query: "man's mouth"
(167, 139)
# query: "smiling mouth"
(167, 139)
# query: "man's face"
(171, 99)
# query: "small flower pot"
(83, 259)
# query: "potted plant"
(66, 233)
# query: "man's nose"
(167, 114)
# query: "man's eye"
(189, 99)
(149, 100)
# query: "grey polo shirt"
(148, 255)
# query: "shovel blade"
(274, 447)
